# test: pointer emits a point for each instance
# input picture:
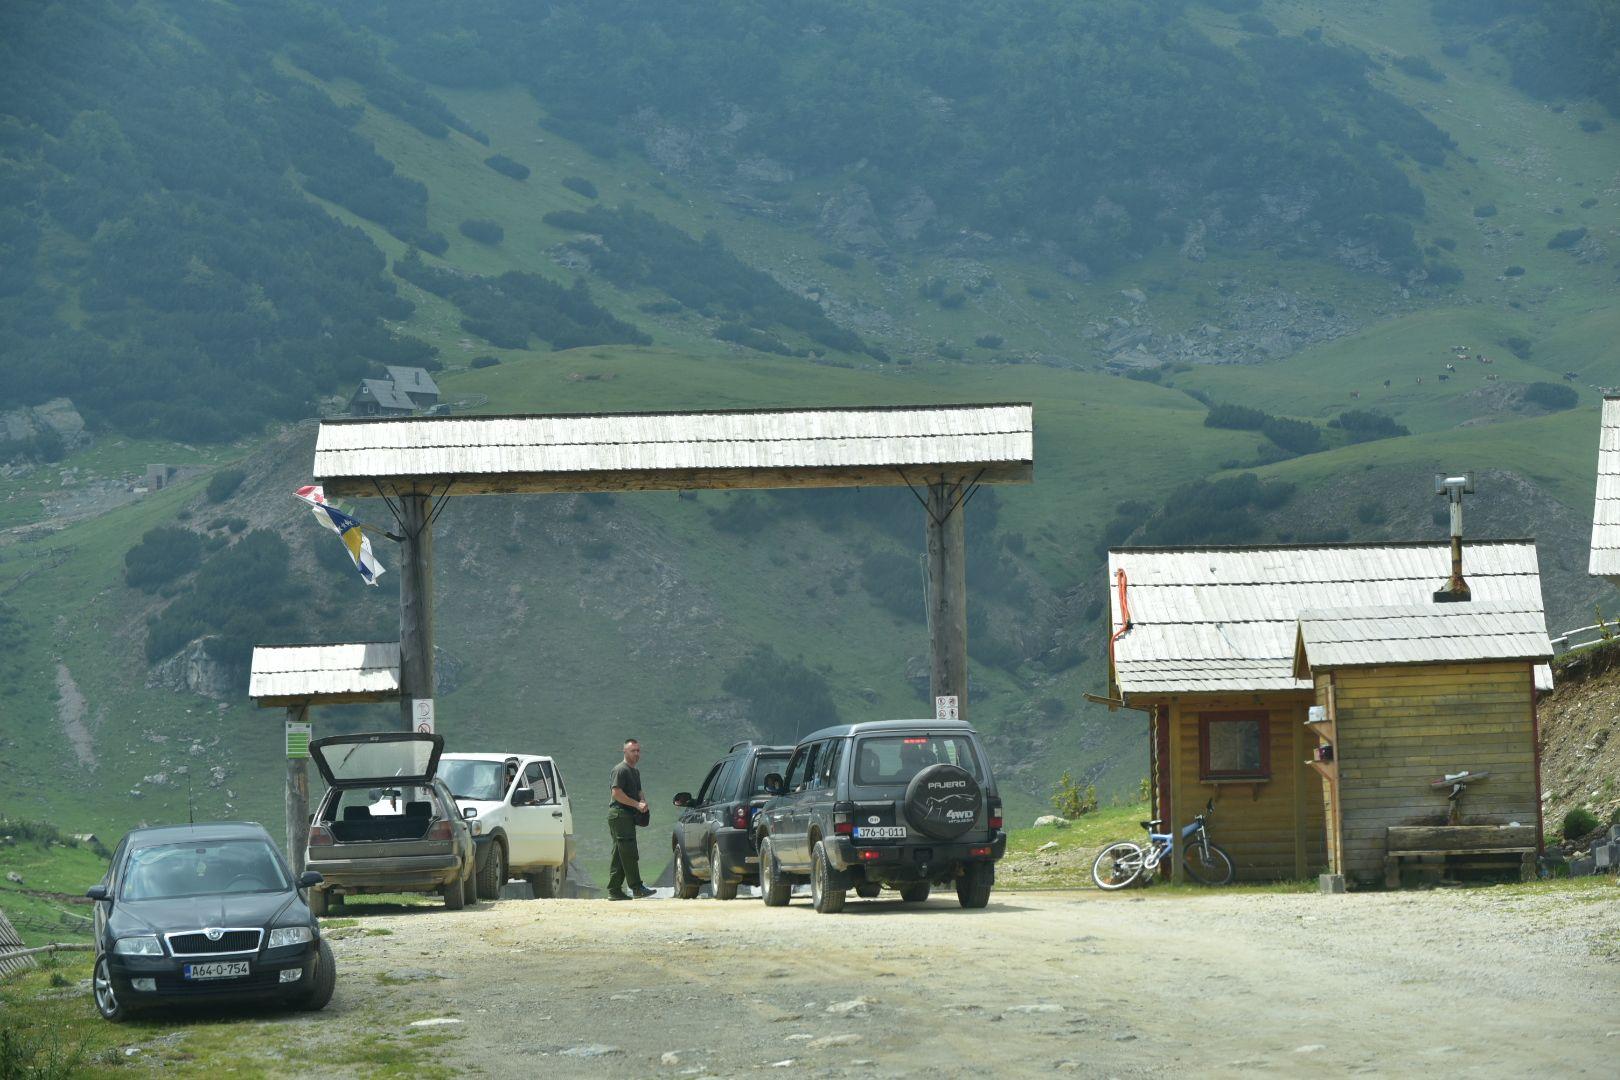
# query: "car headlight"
(290, 935)
(477, 827)
(138, 946)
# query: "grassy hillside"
(569, 623)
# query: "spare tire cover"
(943, 801)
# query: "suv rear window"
(764, 765)
(895, 759)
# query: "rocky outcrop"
(848, 219)
(55, 419)
(192, 670)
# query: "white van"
(522, 823)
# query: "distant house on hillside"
(1204, 641)
(416, 384)
(379, 397)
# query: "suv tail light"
(320, 836)
(844, 818)
(440, 830)
(995, 813)
(741, 816)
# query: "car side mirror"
(98, 892)
(773, 784)
(309, 878)
(523, 797)
(683, 798)
(469, 811)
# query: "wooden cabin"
(1203, 640)
(1410, 696)
(1605, 560)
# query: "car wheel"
(828, 899)
(318, 902)
(973, 887)
(867, 890)
(720, 875)
(686, 886)
(915, 894)
(774, 889)
(545, 882)
(455, 895)
(469, 887)
(493, 875)
(322, 982)
(108, 1002)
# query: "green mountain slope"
(568, 623)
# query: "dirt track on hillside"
(1472, 983)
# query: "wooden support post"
(415, 606)
(947, 592)
(297, 799)
(1178, 767)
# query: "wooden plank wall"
(1257, 824)
(1401, 727)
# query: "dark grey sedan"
(192, 912)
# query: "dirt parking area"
(1480, 982)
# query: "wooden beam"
(294, 701)
(1460, 839)
(415, 604)
(947, 590)
(297, 800)
(361, 487)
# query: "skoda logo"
(214, 933)
(873, 820)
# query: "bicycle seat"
(1151, 825)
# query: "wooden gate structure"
(941, 452)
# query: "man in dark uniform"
(627, 805)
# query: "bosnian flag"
(347, 528)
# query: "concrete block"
(1331, 883)
(1614, 833)
(517, 890)
(1581, 867)
(1603, 856)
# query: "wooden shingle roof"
(1606, 511)
(1452, 633)
(1225, 619)
(767, 448)
(324, 674)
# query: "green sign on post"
(298, 738)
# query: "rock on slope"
(1580, 737)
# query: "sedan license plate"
(880, 832)
(228, 969)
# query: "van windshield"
(895, 759)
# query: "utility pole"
(415, 610)
(947, 592)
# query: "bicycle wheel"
(1207, 864)
(1117, 865)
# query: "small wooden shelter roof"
(1225, 619)
(1606, 512)
(412, 380)
(324, 674)
(385, 394)
(1450, 633)
(758, 448)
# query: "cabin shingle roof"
(1452, 633)
(1606, 512)
(315, 671)
(1225, 619)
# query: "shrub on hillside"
(507, 167)
(1518, 346)
(483, 230)
(223, 484)
(1235, 418)
(1551, 395)
(1485, 210)
(1444, 274)
(162, 555)
(948, 351)
(1513, 271)
(1365, 426)
(1567, 238)
(239, 597)
(1578, 823)
(1300, 436)
(1071, 802)
(1590, 125)
(841, 260)
(579, 186)
(1145, 374)
(483, 362)
(785, 699)
(988, 341)
(1420, 67)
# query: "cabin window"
(1234, 746)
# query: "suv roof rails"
(739, 745)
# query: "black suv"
(903, 803)
(714, 839)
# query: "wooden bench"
(1510, 844)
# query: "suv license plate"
(880, 832)
(231, 969)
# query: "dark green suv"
(902, 804)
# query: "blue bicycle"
(1122, 864)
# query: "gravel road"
(1487, 982)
